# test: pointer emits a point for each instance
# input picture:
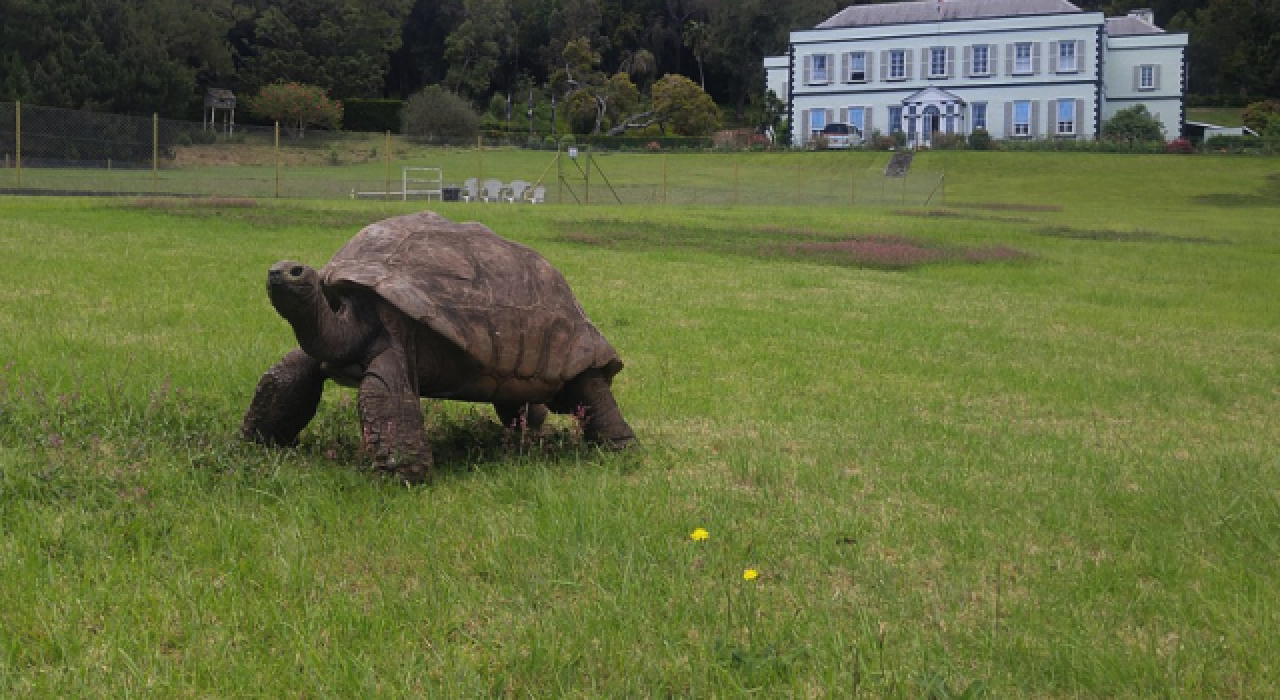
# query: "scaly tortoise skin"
(420, 306)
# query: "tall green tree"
(477, 50)
(341, 45)
(123, 56)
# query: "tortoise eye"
(296, 271)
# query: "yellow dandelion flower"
(699, 535)
(750, 575)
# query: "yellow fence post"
(155, 151)
(664, 178)
(18, 143)
(586, 176)
(277, 159)
(480, 164)
(387, 147)
(735, 181)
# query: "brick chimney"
(1146, 14)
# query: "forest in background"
(158, 56)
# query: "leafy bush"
(436, 115)
(1133, 124)
(980, 140)
(947, 142)
(1259, 116)
(688, 109)
(297, 105)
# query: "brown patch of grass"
(1006, 206)
(1113, 235)
(193, 203)
(952, 214)
(898, 252)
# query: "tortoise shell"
(501, 302)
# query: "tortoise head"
(294, 288)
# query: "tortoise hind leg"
(285, 400)
(589, 397)
(391, 417)
(521, 416)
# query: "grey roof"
(1130, 26)
(905, 12)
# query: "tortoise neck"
(334, 337)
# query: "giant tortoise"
(420, 306)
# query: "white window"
(897, 64)
(1066, 117)
(1022, 118)
(857, 67)
(819, 72)
(979, 115)
(895, 119)
(981, 60)
(857, 119)
(1067, 57)
(817, 121)
(937, 63)
(1147, 78)
(1022, 57)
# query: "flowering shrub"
(298, 106)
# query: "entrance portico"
(931, 111)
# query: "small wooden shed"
(215, 100)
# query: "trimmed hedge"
(372, 115)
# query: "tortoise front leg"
(391, 417)
(285, 400)
(589, 398)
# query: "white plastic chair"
(470, 191)
(539, 195)
(515, 192)
(492, 191)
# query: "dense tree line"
(144, 56)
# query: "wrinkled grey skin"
(418, 306)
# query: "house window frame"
(819, 75)
(897, 64)
(1068, 61)
(1147, 77)
(854, 58)
(1023, 65)
(985, 49)
(937, 62)
(895, 119)
(861, 123)
(978, 115)
(1066, 125)
(1021, 122)
(817, 122)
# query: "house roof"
(929, 11)
(1129, 25)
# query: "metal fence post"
(664, 178)
(387, 148)
(155, 151)
(18, 141)
(277, 159)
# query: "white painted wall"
(1123, 60)
(1112, 64)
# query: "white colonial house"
(1033, 69)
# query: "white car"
(840, 136)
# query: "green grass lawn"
(1041, 463)
(1222, 116)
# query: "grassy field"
(1222, 116)
(1025, 444)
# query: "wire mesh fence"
(55, 151)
